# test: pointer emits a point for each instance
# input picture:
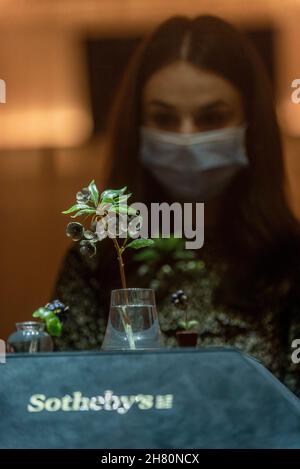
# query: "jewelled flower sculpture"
(180, 300)
(110, 216)
(53, 314)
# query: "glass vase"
(30, 337)
(132, 322)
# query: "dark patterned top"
(84, 285)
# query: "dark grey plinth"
(221, 399)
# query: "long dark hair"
(257, 227)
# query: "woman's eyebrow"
(158, 102)
(213, 104)
(202, 107)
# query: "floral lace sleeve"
(77, 286)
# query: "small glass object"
(30, 337)
(132, 322)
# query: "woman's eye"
(212, 120)
(164, 120)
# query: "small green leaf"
(85, 211)
(47, 315)
(192, 323)
(182, 324)
(122, 198)
(110, 194)
(39, 313)
(76, 207)
(132, 211)
(123, 208)
(140, 243)
(54, 326)
(94, 192)
(43, 313)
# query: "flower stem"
(121, 263)
(124, 316)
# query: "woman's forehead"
(182, 85)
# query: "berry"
(174, 296)
(87, 248)
(83, 196)
(56, 305)
(179, 299)
(75, 231)
(90, 235)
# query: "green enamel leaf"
(182, 324)
(123, 208)
(110, 194)
(140, 243)
(94, 192)
(122, 198)
(54, 326)
(39, 313)
(85, 211)
(192, 323)
(76, 207)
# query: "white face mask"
(194, 166)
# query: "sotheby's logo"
(107, 402)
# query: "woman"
(194, 121)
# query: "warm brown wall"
(40, 49)
(34, 188)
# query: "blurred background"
(62, 61)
